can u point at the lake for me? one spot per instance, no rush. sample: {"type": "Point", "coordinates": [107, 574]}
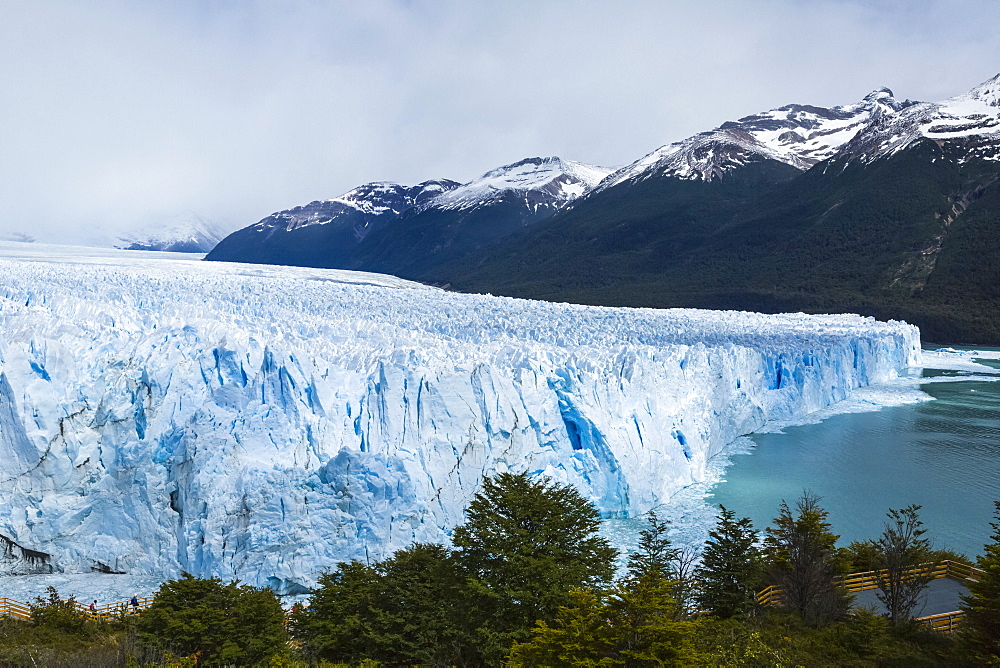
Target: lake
{"type": "Point", "coordinates": [943, 455]}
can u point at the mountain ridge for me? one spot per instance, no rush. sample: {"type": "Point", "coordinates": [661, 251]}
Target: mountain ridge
{"type": "Point", "coordinates": [869, 207]}
{"type": "Point", "coordinates": [430, 216]}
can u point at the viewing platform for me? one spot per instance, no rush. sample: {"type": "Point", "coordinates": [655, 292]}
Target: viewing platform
{"type": "Point", "coordinates": [940, 602]}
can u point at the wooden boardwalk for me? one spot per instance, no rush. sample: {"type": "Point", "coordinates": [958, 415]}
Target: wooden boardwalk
{"type": "Point", "coordinates": [110, 611]}
{"type": "Point", "coordinates": [943, 598]}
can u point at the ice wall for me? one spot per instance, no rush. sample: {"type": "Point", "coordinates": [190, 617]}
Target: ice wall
{"type": "Point", "coordinates": [264, 423]}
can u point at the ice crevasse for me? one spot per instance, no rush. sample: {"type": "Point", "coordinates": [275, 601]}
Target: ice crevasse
{"type": "Point", "coordinates": [159, 416]}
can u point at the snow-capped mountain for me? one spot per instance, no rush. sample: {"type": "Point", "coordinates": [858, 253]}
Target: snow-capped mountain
{"type": "Point", "coordinates": [898, 218]}
{"type": "Point", "coordinates": [394, 228]}
{"type": "Point", "coordinates": [327, 232]}
{"type": "Point", "coordinates": [362, 208]}
{"type": "Point", "coordinates": [970, 121]}
{"type": "Point", "coordinates": [542, 182]}
{"type": "Point", "coordinates": [160, 415]}
{"type": "Point", "coordinates": [797, 135]}
{"type": "Point", "coordinates": [714, 219]}
{"type": "Point", "coordinates": [189, 233]}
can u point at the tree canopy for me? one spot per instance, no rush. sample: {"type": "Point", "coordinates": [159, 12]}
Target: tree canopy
{"type": "Point", "coordinates": [528, 542]}
{"type": "Point", "coordinates": [804, 561]}
{"type": "Point", "coordinates": [730, 571]}
{"type": "Point", "coordinates": [228, 624]}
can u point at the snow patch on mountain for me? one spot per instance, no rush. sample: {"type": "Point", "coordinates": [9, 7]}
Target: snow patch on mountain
{"type": "Point", "coordinates": [552, 182]}
{"type": "Point", "coordinates": [971, 119]}
{"type": "Point", "coordinates": [362, 207]}
{"type": "Point", "coordinates": [160, 415]}
{"type": "Point", "coordinates": [797, 135]}
{"type": "Point", "coordinates": [541, 182]}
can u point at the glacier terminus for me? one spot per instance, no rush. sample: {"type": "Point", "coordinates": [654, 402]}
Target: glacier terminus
{"type": "Point", "coordinates": [159, 414]}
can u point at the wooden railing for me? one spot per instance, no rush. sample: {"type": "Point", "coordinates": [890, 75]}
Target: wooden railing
{"type": "Point", "coordinates": [946, 622]}
{"type": "Point", "coordinates": [110, 611]}
{"type": "Point", "coordinates": [769, 596]}
{"type": "Point", "coordinates": [14, 609]}
{"type": "Point", "coordinates": [869, 579]}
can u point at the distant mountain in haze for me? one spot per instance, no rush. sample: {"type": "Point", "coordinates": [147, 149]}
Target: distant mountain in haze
{"type": "Point", "coordinates": [885, 207]}
{"type": "Point", "coordinates": [188, 233]}
{"type": "Point", "coordinates": [17, 236]}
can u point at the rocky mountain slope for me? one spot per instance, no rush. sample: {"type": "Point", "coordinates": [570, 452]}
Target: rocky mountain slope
{"type": "Point", "coordinates": [399, 229]}
{"type": "Point", "coordinates": [325, 233]}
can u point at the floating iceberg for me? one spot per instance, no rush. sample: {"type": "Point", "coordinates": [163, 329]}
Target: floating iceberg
{"type": "Point", "coordinates": [160, 414]}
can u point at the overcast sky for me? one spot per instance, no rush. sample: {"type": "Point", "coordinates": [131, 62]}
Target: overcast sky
{"type": "Point", "coordinates": [124, 113]}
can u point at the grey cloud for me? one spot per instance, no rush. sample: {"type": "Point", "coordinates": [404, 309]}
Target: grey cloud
{"type": "Point", "coordinates": [116, 114]}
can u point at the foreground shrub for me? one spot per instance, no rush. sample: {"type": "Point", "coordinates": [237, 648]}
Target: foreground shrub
{"type": "Point", "coordinates": [227, 624]}
{"type": "Point", "coordinates": [413, 608]}
{"type": "Point", "coordinates": [61, 615]}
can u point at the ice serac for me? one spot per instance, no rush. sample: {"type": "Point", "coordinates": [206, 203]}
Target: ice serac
{"type": "Point", "coordinates": [264, 423]}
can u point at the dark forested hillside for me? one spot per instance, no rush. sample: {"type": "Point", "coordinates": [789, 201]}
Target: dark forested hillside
{"type": "Point", "coordinates": [415, 245]}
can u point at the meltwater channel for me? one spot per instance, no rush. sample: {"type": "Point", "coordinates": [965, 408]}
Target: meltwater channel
{"type": "Point", "coordinates": [943, 455]}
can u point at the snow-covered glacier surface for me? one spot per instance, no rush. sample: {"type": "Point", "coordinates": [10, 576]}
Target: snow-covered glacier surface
{"type": "Point", "coordinates": [160, 414]}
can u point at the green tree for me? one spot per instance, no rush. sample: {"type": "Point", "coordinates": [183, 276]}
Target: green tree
{"type": "Point", "coordinates": [580, 634]}
{"type": "Point", "coordinates": [861, 556]}
{"type": "Point", "coordinates": [644, 615]}
{"type": "Point", "coordinates": [655, 555]}
{"type": "Point", "coordinates": [424, 609]}
{"type": "Point", "coordinates": [804, 562]}
{"type": "Point", "coordinates": [527, 543]}
{"type": "Point", "coordinates": [335, 625]}
{"type": "Point", "coordinates": [642, 607]}
{"type": "Point", "coordinates": [658, 558]}
{"type": "Point", "coordinates": [219, 623]}
{"type": "Point", "coordinates": [730, 569]}
{"type": "Point", "coordinates": [410, 609]}
{"type": "Point", "coordinates": [981, 627]}
{"type": "Point", "coordinates": [632, 626]}
{"type": "Point", "coordinates": [901, 549]}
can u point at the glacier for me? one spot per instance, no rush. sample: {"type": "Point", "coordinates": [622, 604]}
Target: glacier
{"type": "Point", "coordinates": [159, 414]}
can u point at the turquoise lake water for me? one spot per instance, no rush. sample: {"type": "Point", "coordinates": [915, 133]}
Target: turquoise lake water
{"type": "Point", "coordinates": [943, 455]}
